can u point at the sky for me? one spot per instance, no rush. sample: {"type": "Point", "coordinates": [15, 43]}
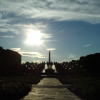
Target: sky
{"type": "Point", "coordinates": [68, 29]}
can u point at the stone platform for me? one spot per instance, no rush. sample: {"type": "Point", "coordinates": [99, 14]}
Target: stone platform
{"type": "Point", "coordinates": [50, 89]}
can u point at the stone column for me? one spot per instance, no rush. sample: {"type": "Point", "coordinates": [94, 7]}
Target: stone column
{"type": "Point", "coordinates": [49, 56]}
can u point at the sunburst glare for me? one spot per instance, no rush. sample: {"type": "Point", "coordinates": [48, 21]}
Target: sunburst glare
{"type": "Point", "coordinates": [34, 38]}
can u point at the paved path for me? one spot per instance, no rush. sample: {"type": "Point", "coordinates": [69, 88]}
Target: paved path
{"type": "Point", "coordinates": [50, 89]}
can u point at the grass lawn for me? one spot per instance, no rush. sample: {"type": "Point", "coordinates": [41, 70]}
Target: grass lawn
{"type": "Point", "coordinates": [19, 86]}
{"type": "Point", "coordinates": [16, 86]}
{"type": "Point", "coordinates": [84, 87]}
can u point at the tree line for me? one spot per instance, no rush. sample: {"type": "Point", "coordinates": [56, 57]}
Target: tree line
{"type": "Point", "coordinates": [89, 64]}
{"type": "Point", "coordinates": [10, 64]}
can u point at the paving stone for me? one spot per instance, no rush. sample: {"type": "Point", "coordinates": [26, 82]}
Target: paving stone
{"type": "Point", "coordinates": [50, 89]}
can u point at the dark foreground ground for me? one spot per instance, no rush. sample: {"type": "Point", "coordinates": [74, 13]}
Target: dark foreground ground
{"type": "Point", "coordinates": [18, 86]}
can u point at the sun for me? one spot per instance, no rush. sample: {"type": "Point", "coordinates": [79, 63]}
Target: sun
{"type": "Point", "coordinates": [34, 37]}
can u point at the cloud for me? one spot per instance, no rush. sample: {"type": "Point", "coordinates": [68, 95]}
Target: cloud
{"type": "Point", "coordinates": [66, 60]}
{"type": "Point", "coordinates": [15, 49]}
{"type": "Point", "coordinates": [47, 35]}
{"type": "Point", "coordinates": [32, 54]}
{"type": "Point", "coordinates": [71, 56]}
{"type": "Point", "coordinates": [76, 59]}
{"type": "Point", "coordinates": [38, 56]}
{"type": "Point", "coordinates": [59, 10]}
{"type": "Point", "coordinates": [62, 30]}
{"type": "Point", "coordinates": [25, 29]}
{"type": "Point", "coordinates": [51, 49]}
{"type": "Point", "coordinates": [7, 36]}
{"type": "Point", "coordinates": [28, 54]}
{"type": "Point", "coordinates": [87, 45]}
{"type": "Point", "coordinates": [20, 28]}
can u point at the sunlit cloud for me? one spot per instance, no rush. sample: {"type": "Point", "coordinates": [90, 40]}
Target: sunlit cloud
{"type": "Point", "coordinates": [59, 10]}
{"type": "Point", "coordinates": [32, 54]}
{"type": "Point", "coordinates": [28, 52]}
{"type": "Point", "coordinates": [71, 56]}
{"type": "Point", "coordinates": [15, 49]}
{"type": "Point", "coordinates": [38, 56]}
{"type": "Point", "coordinates": [47, 35]}
{"type": "Point", "coordinates": [22, 28]}
{"type": "Point", "coordinates": [66, 60]}
{"type": "Point", "coordinates": [7, 36]}
{"type": "Point", "coordinates": [76, 59]}
{"type": "Point", "coordinates": [87, 45]}
{"type": "Point", "coordinates": [51, 49]}
{"type": "Point", "coordinates": [25, 29]}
